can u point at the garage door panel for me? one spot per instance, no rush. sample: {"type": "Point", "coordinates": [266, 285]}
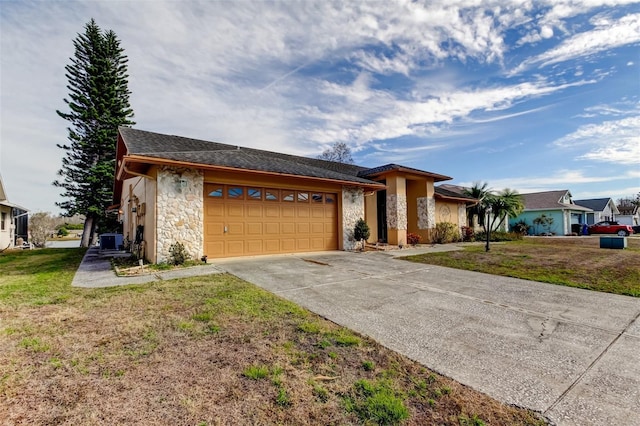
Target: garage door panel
{"type": "Point", "coordinates": [215, 210]}
{"type": "Point", "coordinates": [235, 248]}
{"type": "Point", "coordinates": [272, 211]}
{"type": "Point", "coordinates": [235, 210]}
{"type": "Point", "coordinates": [288, 211]}
{"type": "Point", "coordinates": [254, 210]}
{"type": "Point", "coordinates": [272, 246]}
{"type": "Point", "coordinates": [317, 243]}
{"type": "Point", "coordinates": [288, 228]}
{"type": "Point", "coordinates": [287, 245]}
{"type": "Point", "coordinates": [235, 229]}
{"type": "Point", "coordinates": [280, 224]}
{"type": "Point", "coordinates": [272, 228]}
{"type": "Point", "coordinates": [303, 244]}
{"type": "Point", "coordinates": [254, 247]}
{"type": "Point", "coordinates": [214, 249]}
{"type": "Point", "coordinates": [254, 229]}
{"type": "Point", "coordinates": [214, 229]}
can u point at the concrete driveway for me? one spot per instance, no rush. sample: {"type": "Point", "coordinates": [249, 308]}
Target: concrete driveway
{"type": "Point", "coordinates": [571, 354]}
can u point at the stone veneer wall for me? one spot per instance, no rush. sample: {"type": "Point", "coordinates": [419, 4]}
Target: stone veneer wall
{"type": "Point", "coordinates": [397, 211]}
{"type": "Point", "coordinates": [462, 215]}
{"type": "Point", "coordinates": [352, 210]}
{"type": "Point", "coordinates": [426, 213]}
{"type": "Point", "coordinates": [180, 211]}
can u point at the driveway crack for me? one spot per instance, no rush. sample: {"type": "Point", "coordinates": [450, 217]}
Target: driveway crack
{"type": "Point", "coordinates": [590, 367]}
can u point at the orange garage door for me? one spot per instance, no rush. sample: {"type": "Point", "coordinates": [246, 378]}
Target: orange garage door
{"type": "Point", "coordinates": [243, 220]}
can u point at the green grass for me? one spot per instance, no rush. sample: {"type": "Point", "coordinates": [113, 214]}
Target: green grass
{"type": "Point", "coordinates": [38, 277]}
{"type": "Point", "coordinates": [570, 262]}
{"type": "Point", "coordinates": [224, 346]}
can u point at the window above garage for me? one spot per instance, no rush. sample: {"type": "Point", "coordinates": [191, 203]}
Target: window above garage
{"type": "Point", "coordinates": [252, 193]}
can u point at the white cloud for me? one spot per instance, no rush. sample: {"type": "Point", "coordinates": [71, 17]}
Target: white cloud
{"type": "Point", "coordinates": [606, 35]}
{"type": "Point", "coordinates": [616, 141]}
{"type": "Point", "coordinates": [288, 77]}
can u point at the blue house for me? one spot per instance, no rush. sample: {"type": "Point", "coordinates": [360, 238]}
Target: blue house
{"type": "Point", "coordinates": [557, 207]}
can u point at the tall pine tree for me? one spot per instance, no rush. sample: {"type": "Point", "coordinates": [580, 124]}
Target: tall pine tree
{"type": "Point", "coordinates": [98, 103]}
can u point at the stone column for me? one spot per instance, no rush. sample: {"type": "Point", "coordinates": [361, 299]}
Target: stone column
{"type": "Point", "coordinates": [180, 211]}
{"type": "Point", "coordinates": [352, 210]}
{"type": "Point", "coordinates": [426, 213]}
{"type": "Point", "coordinates": [396, 210]}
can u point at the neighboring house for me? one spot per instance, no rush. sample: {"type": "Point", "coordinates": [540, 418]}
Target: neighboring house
{"type": "Point", "coordinates": [452, 204]}
{"type": "Point", "coordinates": [223, 200]}
{"type": "Point", "coordinates": [13, 221]}
{"type": "Point", "coordinates": [603, 209]}
{"type": "Point", "coordinates": [557, 205]}
{"type": "Point", "coordinates": [461, 191]}
{"type": "Point", "coordinates": [629, 214]}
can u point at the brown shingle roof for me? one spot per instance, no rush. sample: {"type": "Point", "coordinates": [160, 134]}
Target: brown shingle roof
{"type": "Point", "coordinates": [549, 200]}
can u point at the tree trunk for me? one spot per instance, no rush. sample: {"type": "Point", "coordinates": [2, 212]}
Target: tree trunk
{"type": "Point", "coordinates": [94, 233]}
{"type": "Point", "coordinates": [87, 231]}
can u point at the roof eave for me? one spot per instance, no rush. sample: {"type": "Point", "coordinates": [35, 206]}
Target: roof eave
{"type": "Point", "coordinates": [436, 177]}
{"type": "Point", "coordinates": [124, 174]}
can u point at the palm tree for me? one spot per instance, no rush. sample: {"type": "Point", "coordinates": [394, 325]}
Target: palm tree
{"type": "Point", "coordinates": [481, 192]}
{"type": "Point", "coordinates": [507, 203]}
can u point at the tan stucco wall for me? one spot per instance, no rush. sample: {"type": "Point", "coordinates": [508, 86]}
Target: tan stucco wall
{"type": "Point", "coordinates": [371, 214]}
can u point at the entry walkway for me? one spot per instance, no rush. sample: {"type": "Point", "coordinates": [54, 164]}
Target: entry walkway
{"type": "Point", "coordinates": [571, 354]}
{"type": "Point", "coordinates": [95, 271]}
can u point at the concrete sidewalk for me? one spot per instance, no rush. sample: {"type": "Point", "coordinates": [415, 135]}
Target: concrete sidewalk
{"type": "Point", "coordinates": [95, 271]}
{"type": "Point", "coordinates": [568, 353]}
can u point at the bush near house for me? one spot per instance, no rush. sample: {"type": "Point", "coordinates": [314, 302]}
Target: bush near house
{"type": "Point", "coordinates": [445, 233]}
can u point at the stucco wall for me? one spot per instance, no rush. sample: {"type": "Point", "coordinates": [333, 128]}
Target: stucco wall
{"type": "Point", "coordinates": [180, 212]}
{"type": "Point", "coordinates": [558, 221]}
{"type": "Point", "coordinates": [6, 235]}
{"type": "Point", "coordinates": [352, 210]}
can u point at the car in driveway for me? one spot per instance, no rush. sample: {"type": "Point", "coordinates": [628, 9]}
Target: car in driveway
{"type": "Point", "coordinates": [610, 227]}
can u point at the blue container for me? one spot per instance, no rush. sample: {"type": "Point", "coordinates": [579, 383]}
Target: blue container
{"type": "Point", "coordinates": [613, 242]}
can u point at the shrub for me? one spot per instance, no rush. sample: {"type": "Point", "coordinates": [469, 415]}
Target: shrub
{"type": "Point", "coordinates": [361, 230]}
{"type": "Point", "coordinates": [468, 234]}
{"type": "Point", "coordinates": [445, 232]}
{"type": "Point", "coordinates": [413, 239]}
{"type": "Point", "coordinates": [521, 228]}
{"type": "Point", "coordinates": [178, 254]}
{"type": "Point", "coordinates": [62, 232]}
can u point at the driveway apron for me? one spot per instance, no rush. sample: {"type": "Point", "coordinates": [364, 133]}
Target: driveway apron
{"type": "Point", "coordinates": [571, 354]}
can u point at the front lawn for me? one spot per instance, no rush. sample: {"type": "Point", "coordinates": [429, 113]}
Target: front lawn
{"type": "Point", "coordinates": [201, 351]}
{"type": "Point", "coordinates": [575, 262]}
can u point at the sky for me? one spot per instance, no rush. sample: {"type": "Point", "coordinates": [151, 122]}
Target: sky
{"type": "Point", "coordinates": [528, 95]}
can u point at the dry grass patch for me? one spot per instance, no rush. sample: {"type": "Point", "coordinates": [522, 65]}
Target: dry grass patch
{"type": "Point", "coordinates": [575, 262]}
{"type": "Point", "coordinates": [213, 350]}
